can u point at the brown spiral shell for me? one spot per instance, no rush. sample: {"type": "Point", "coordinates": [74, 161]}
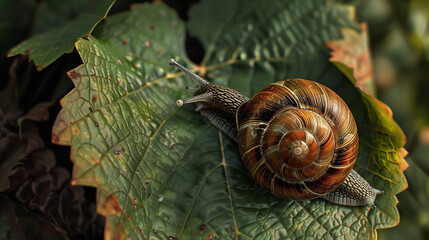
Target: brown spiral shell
{"type": "Point", "coordinates": [297, 138]}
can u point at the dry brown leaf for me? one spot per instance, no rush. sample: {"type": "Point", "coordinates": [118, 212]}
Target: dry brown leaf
{"type": "Point", "coordinates": [353, 51]}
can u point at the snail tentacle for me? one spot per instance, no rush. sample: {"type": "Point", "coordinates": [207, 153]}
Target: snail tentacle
{"type": "Point", "coordinates": [217, 103]}
{"type": "Point", "coordinates": [197, 79]}
{"type": "Point", "coordinates": [190, 89]}
{"type": "Point", "coordinates": [204, 97]}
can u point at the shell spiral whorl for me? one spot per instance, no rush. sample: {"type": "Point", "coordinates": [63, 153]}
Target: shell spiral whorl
{"type": "Point", "coordinates": [297, 138]}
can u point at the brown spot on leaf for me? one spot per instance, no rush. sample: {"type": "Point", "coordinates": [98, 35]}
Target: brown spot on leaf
{"type": "Point", "coordinates": [210, 236]}
{"type": "Point", "coordinates": [116, 231]}
{"type": "Point", "coordinates": [123, 149]}
{"type": "Point", "coordinates": [61, 131]}
{"type": "Point", "coordinates": [141, 205]}
{"type": "Point", "coordinates": [94, 99]}
{"type": "Point", "coordinates": [111, 206]}
{"type": "Point", "coordinates": [128, 216]}
{"type": "Point", "coordinates": [151, 27]}
{"type": "Point", "coordinates": [125, 41]}
{"type": "Point", "coordinates": [73, 74]}
{"type": "Point", "coordinates": [202, 227]}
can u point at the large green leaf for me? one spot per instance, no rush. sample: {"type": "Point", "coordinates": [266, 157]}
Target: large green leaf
{"type": "Point", "coordinates": [165, 172]}
{"type": "Point", "coordinates": [44, 48]}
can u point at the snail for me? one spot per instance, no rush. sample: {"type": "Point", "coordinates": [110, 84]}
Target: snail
{"type": "Point", "coordinates": [297, 138]}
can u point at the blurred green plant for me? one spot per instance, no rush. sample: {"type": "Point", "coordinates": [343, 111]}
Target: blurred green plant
{"type": "Point", "coordinates": [399, 46]}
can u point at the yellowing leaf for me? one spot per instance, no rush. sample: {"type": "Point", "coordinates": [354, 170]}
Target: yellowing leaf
{"type": "Point", "coordinates": [353, 51]}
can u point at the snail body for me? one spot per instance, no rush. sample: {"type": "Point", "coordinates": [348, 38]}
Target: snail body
{"type": "Point", "coordinates": [297, 138]}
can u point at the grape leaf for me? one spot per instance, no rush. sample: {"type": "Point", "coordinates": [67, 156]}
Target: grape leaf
{"type": "Point", "coordinates": [163, 172]}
